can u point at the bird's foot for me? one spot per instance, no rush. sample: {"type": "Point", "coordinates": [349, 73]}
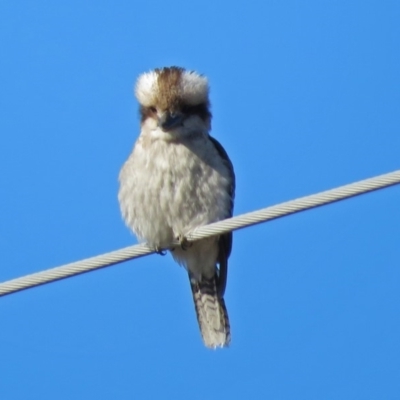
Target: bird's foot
{"type": "Point", "coordinates": [160, 251]}
{"type": "Point", "coordinates": [184, 243]}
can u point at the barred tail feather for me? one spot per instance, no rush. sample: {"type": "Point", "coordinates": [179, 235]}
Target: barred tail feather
{"type": "Point", "coordinates": [212, 314]}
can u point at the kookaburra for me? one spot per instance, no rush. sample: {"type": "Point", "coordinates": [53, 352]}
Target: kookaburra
{"type": "Point", "coordinates": [178, 178]}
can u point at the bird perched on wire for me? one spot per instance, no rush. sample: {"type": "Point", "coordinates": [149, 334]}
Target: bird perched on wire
{"type": "Point", "coordinates": [178, 178]}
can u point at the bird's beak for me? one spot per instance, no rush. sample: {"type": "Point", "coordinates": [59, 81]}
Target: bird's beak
{"type": "Point", "coordinates": [168, 120]}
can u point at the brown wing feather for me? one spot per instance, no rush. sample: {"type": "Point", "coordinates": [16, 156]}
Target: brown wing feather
{"type": "Point", "coordinates": [225, 240]}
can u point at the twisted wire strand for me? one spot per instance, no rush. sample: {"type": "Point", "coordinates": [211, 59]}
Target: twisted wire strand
{"type": "Point", "coordinates": [217, 228]}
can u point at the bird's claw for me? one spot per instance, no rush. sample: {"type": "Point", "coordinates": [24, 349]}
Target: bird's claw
{"type": "Point", "coordinates": [160, 251]}
{"type": "Point", "coordinates": [184, 243]}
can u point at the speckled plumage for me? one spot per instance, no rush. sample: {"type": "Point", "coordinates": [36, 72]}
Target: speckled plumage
{"type": "Point", "coordinates": [178, 178]}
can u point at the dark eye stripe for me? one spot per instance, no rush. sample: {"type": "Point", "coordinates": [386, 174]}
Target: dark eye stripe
{"type": "Point", "coordinates": [200, 109]}
{"type": "Point", "coordinates": [146, 112]}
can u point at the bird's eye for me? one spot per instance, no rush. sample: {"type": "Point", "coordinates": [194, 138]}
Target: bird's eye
{"type": "Point", "coordinates": [153, 109]}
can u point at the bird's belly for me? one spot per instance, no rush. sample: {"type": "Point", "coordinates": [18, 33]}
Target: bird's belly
{"type": "Point", "coordinates": [171, 195]}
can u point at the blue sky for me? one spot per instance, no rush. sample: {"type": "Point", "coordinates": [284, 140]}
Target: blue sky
{"type": "Point", "coordinates": [305, 98]}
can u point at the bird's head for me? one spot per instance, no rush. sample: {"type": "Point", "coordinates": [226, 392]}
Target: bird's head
{"type": "Point", "coordinates": [174, 100]}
